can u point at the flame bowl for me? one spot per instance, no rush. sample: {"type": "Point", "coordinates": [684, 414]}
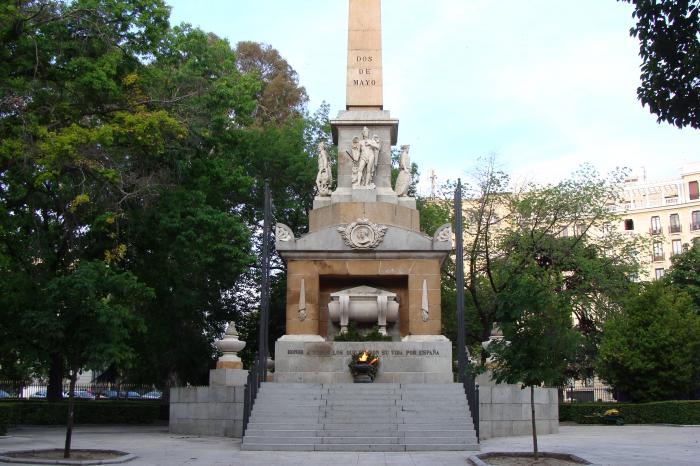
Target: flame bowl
{"type": "Point", "coordinates": [361, 373]}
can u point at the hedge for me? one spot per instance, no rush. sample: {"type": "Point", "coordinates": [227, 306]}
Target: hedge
{"type": "Point", "coordinates": [86, 412]}
{"type": "Point", "coordinates": [5, 413]}
{"type": "Point", "coordinates": [661, 412]}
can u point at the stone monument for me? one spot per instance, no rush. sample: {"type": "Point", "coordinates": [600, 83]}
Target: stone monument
{"type": "Point", "coordinates": [364, 260]}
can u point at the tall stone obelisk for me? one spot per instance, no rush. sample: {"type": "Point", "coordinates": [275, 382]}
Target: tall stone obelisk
{"type": "Point", "coordinates": [364, 78]}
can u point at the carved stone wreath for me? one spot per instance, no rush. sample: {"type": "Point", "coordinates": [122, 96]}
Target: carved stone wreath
{"type": "Point", "coordinates": [444, 233]}
{"type": "Point", "coordinates": [283, 232]}
{"type": "Point", "coordinates": [362, 234]}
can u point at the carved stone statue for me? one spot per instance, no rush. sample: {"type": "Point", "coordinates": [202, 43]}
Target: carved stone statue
{"type": "Point", "coordinates": [354, 154]}
{"type": "Point", "coordinates": [403, 180]}
{"type": "Point", "coordinates": [365, 155]}
{"type": "Point", "coordinates": [324, 178]}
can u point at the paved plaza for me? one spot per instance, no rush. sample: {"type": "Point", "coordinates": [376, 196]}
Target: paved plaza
{"type": "Point", "coordinates": [154, 446]}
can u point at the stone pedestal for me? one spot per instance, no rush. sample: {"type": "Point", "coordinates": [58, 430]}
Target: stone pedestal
{"type": "Point", "coordinates": [216, 410]}
{"type": "Point", "coordinates": [416, 360]}
{"type": "Point", "coordinates": [504, 409]}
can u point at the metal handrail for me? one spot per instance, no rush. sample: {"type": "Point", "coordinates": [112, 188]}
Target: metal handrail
{"type": "Point", "coordinates": [471, 388]}
{"type": "Point", "coordinates": [251, 391]}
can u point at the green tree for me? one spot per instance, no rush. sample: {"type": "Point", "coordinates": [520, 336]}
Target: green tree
{"type": "Point", "coordinates": [89, 317]}
{"type": "Point", "coordinates": [568, 226]}
{"type": "Point", "coordinates": [75, 142]}
{"type": "Point", "coordinates": [649, 349]}
{"type": "Point", "coordinates": [538, 337]}
{"type": "Point", "coordinates": [684, 273]}
{"type": "Point", "coordinates": [280, 95]}
{"type": "Point", "coordinates": [669, 44]}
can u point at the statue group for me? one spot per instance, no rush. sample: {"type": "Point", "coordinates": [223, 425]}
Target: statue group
{"type": "Point", "coordinates": [364, 154]}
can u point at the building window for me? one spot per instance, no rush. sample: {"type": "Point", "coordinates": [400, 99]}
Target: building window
{"type": "Point", "coordinates": [659, 273]}
{"type": "Point", "coordinates": [564, 232]}
{"type": "Point", "coordinates": [675, 223]}
{"type": "Point", "coordinates": [655, 225]}
{"type": "Point", "coordinates": [693, 190]}
{"type": "Point", "coordinates": [695, 220]}
{"type": "Point", "coordinates": [629, 224]}
{"type": "Point", "coordinates": [658, 251]}
{"type": "Point", "coordinates": [676, 247]}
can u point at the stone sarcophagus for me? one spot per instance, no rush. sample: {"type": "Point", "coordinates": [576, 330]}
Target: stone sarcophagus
{"type": "Point", "coordinates": [364, 304]}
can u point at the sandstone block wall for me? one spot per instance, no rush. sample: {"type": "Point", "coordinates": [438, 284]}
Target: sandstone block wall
{"type": "Point", "coordinates": [504, 411]}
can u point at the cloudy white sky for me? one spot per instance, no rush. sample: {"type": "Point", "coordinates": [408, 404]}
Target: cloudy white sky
{"type": "Point", "coordinates": [545, 85]}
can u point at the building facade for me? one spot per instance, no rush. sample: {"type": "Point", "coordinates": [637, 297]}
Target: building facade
{"type": "Point", "coordinates": [668, 211]}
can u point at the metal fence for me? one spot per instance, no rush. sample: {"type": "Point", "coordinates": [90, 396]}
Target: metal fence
{"type": "Point", "coordinates": [17, 390]}
{"type": "Point", "coordinates": [577, 394]}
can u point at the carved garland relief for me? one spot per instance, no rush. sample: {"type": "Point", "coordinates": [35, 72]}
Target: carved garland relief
{"type": "Point", "coordinates": [362, 234]}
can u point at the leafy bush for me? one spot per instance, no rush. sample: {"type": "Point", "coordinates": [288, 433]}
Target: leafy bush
{"type": "Point", "coordinates": [354, 335]}
{"type": "Point", "coordinates": [661, 412]}
{"type": "Point", "coordinates": [86, 412]}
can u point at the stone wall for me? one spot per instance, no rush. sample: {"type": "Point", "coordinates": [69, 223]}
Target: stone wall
{"type": "Point", "coordinates": [504, 411]}
{"type": "Point", "coordinates": [216, 410]}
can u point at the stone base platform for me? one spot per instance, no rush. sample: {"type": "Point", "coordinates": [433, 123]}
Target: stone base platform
{"type": "Point", "coordinates": [215, 410]}
{"type": "Point", "coordinates": [310, 359]}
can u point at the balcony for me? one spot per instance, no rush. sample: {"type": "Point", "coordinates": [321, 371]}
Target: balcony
{"type": "Point", "coordinates": [658, 257]}
{"type": "Point", "coordinates": [694, 226]}
{"type": "Point", "coordinates": [655, 230]}
{"type": "Point", "coordinates": [675, 228]}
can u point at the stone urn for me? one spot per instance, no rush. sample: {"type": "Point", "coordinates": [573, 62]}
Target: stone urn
{"type": "Point", "coordinates": [230, 345]}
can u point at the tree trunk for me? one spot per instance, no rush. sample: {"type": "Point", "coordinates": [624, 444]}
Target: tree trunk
{"type": "Point", "coordinates": [534, 424]}
{"type": "Point", "coordinates": [71, 409]}
{"type": "Point", "coordinates": [54, 392]}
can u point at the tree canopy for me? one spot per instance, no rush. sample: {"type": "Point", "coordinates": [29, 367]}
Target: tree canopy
{"type": "Point", "coordinates": [669, 45]}
{"type": "Point", "coordinates": [649, 349]}
{"type": "Point", "coordinates": [142, 147]}
{"type": "Point", "coordinates": [685, 273]}
{"type": "Point", "coordinates": [566, 229]}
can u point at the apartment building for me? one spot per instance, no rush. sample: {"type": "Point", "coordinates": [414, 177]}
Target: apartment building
{"type": "Point", "coordinates": [667, 210]}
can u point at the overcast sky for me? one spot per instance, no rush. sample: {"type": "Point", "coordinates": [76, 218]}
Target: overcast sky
{"type": "Point", "coordinates": [545, 84]}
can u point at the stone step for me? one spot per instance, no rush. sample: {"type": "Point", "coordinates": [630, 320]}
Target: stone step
{"type": "Point", "coordinates": [277, 447]}
{"type": "Point", "coordinates": [358, 447]}
{"type": "Point", "coordinates": [446, 433]}
{"type": "Point", "coordinates": [474, 446]}
{"type": "Point", "coordinates": [389, 447]}
{"type": "Point", "coordinates": [353, 417]}
{"type": "Point", "coordinates": [275, 438]}
{"type": "Point", "coordinates": [413, 427]}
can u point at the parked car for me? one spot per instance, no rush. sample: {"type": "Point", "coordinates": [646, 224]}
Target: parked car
{"type": "Point", "coordinates": [40, 395]}
{"type": "Point", "coordinates": [155, 395]}
{"type": "Point", "coordinates": [83, 395]}
{"type": "Point", "coordinates": [4, 394]}
{"type": "Point", "coordinates": [129, 395]}
{"type": "Point", "coordinates": [108, 395]}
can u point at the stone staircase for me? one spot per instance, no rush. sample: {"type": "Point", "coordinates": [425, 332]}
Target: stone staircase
{"type": "Point", "coordinates": [360, 417]}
